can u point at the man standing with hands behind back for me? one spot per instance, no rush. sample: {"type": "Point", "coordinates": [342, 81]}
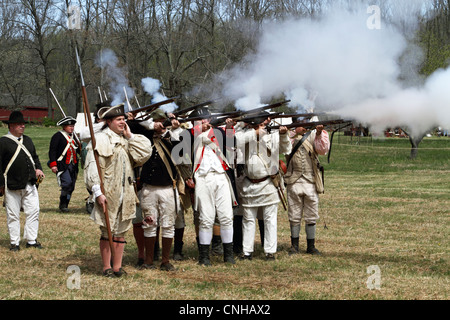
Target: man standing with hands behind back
{"type": "Point", "coordinates": [20, 171]}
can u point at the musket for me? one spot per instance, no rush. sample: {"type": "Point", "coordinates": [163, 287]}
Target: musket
{"type": "Point", "coordinates": [294, 115]}
{"type": "Point", "coordinates": [240, 113]}
{"type": "Point", "coordinates": [184, 111]}
{"type": "Point", "coordinates": [235, 114]}
{"type": "Point", "coordinates": [308, 125]}
{"type": "Point", "coordinates": [130, 108]}
{"type": "Point", "coordinates": [152, 107]}
{"type": "Point", "coordinates": [64, 115]}
{"type": "Point", "coordinates": [272, 116]}
{"type": "Point", "coordinates": [100, 95]}
{"type": "Point", "coordinates": [93, 142]}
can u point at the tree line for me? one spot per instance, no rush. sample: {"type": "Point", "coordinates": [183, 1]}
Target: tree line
{"type": "Point", "coordinates": [182, 43]}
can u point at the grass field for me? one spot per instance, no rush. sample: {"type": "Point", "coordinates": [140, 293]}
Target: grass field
{"type": "Point", "coordinates": [381, 209]}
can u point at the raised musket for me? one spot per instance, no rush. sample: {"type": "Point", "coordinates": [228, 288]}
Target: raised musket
{"type": "Point", "coordinates": [152, 107]}
{"type": "Point", "coordinates": [220, 118]}
{"type": "Point", "coordinates": [77, 139]}
{"type": "Point", "coordinates": [181, 112]}
{"type": "Point", "coordinates": [308, 125]}
{"type": "Point", "coordinates": [93, 142]}
{"type": "Point", "coordinates": [240, 113]}
{"type": "Point", "coordinates": [272, 116]}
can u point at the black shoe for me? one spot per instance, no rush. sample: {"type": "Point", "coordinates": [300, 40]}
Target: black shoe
{"type": "Point", "coordinates": [119, 273]}
{"type": "Point", "coordinates": [139, 263]}
{"type": "Point", "coordinates": [35, 245]}
{"type": "Point", "coordinates": [270, 257]}
{"type": "Point", "coordinates": [167, 267]}
{"type": "Point", "coordinates": [14, 248]}
{"type": "Point", "coordinates": [89, 207]}
{"type": "Point", "coordinates": [109, 273]}
{"type": "Point", "coordinates": [178, 251]}
{"type": "Point", "coordinates": [246, 257]}
{"type": "Point", "coordinates": [147, 267]}
{"type": "Point", "coordinates": [178, 256]}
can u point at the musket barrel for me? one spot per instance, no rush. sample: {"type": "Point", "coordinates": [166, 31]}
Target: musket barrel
{"type": "Point", "coordinates": [93, 142]}
{"type": "Point", "coordinates": [153, 106]}
{"type": "Point", "coordinates": [309, 124]}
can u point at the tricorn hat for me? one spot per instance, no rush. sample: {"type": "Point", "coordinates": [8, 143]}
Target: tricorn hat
{"type": "Point", "coordinates": [257, 118]}
{"type": "Point", "coordinates": [16, 117]}
{"type": "Point", "coordinates": [111, 112]}
{"type": "Point", "coordinates": [66, 121]}
{"type": "Point", "coordinates": [199, 112]}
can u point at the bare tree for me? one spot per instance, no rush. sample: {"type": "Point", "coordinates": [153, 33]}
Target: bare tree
{"type": "Point", "coordinates": [36, 20]}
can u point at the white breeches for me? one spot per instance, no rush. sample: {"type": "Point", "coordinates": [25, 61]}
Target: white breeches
{"type": "Point", "coordinates": [214, 197]}
{"type": "Point", "coordinates": [28, 200]}
{"type": "Point", "coordinates": [159, 203]}
{"type": "Point", "coordinates": [270, 228]}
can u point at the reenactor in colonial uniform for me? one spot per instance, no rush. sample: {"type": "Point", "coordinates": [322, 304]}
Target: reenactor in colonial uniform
{"type": "Point", "coordinates": [20, 173]}
{"type": "Point", "coordinates": [304, 184]}
{"type": "Point", "coordinates": [162, 183]}
{"type": "Point", "coordinates": [119, 151]}
{"type": "Point", "coordinates": [63, 156]}
{"type": "Point", "coordinates": [260, 189]}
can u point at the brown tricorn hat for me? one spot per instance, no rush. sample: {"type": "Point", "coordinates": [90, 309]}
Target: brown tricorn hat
{"type": "Point", "coordinates": [111, 112]}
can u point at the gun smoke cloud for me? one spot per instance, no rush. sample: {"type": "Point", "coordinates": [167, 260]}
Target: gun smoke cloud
{"type": "Point", "coordinates": [336, 63]}
{"type": "Point", "coordinates": [116, 76]}
{"type": "Point", "coordinates": [152, 87]}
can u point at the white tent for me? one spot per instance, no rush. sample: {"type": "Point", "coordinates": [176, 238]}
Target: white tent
{"type": "Point", "coordinates": [81, 122]}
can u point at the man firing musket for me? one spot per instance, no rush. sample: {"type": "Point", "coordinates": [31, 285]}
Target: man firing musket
{"type": "Point", "coordinates": [304, 179]}
{"type": "Point", "coordinates": [220, 118]}
{"type": "Point", "coordinates": [260, 183]}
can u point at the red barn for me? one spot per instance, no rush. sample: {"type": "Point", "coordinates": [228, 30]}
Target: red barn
{"type": "Point", "coordinates": [31, 114]}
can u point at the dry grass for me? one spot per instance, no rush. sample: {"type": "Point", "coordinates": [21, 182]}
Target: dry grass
{"type": "Point", "coordinates": [396, 219]}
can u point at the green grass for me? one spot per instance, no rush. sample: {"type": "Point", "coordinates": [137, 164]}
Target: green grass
{"type": "Point", "coordinates": [380, 207]}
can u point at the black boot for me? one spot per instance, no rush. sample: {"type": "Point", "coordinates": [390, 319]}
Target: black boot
{"type": "Point", "coordinates": [228, 255]}
{"type": "Point", "coordinates": [178, 245]}
{"type": "Point", "coordinates": [177, 251]}
{"type": "Point", "coordinates": [294, 246]}
{"type": "Point", "coordinates": [216, 246]}
{"type": "Point", "coordinates": [311, 249]}
{"type": "Point", "coordinates": [237, 235]}
{"type": "Point", "coordinates": [203, 258]}
{"type": "Point", "coordinates": [63, 203]}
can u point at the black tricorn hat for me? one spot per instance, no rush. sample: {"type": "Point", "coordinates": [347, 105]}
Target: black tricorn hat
{"type": "Point", "coordinates": [257, 118]}
{"type": "Point", "coordinates": [66, 121]}
{"type": "Point", "coordinates": [200, 112]}
{"type": "Point", "coordinates": [16, 117]}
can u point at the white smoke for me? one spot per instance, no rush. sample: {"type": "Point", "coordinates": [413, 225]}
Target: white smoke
{"type": "Point", "coordinates": [115, 76]}
{"type": "Point", "coordinates": [152, 87]}
{"type": "Point", "coordinates": [337, 63]}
